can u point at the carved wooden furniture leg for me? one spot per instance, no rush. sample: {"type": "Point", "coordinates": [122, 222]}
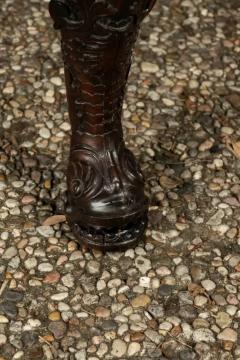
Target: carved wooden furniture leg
{"type": "Point", "coordinates": [107, 208]}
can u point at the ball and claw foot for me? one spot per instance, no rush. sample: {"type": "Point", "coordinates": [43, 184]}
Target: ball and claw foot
{"type": "Point", "coordinates": [110, 239]}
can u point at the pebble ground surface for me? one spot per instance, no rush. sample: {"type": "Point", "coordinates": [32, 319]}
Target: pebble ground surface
{"type": "Point", "coordinates": [177, 295]}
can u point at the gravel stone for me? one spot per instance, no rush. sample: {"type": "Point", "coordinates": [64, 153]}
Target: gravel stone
{"type": "Point", "coordinates": [102, 312]}
{"type": "Point", "coordinates": [93, 267]}
{"type": "Point", "coordinates": [109, 325]}
{"type": "Point", "coordinates": [30, 263]}
{"type": "Point", "coordinates": [119, 348]}
{"type": "Point", "coordinates": [165, 290]}
{"type": "Point", "coordinates": [228, 334]}
{"type": "Point", "coordinates": [153, 336]}
{"type": "Point", "coordinates": [29, 338]}
{"type": "Point", "coordinates": [169, 349]}
{"type": "Point", "coordinates": [156, 310]}
{"type": "Point", "coordinates": [181, 270]}
{"type": "Point", "coordinates": [60, 296]}
{"type": "Point", "coordinates": [54, 316]}
{"type": "Point", "coordinates": [223, 320]}
{"type": "Point", "coordinates": [216, 219]}
{"type": "Point", "coordinates": [208, 285]}
{"type": "Point", "coordinates": [81, 355]}
{"type": "Point", "coordinates": [219, 299]}
{"type": "Point", "coordinates": [133, 348]}
{"type": "Point", "coordinates": [3, 319]}
{"type": "Point", "coordinates": [46, 231]}
{"type": "Point", "coordinates": [143, 264]}
{"type": "Point", "coordinates": [3, 339]}
{"type": "Point", "coordinates": [144, 282]}
{"type": "Point", "coordinates": [11, 203]}
{"type": "Point", "coordinates": [9, 309]}
{"type": "Point", "coordinates": [101, 285]}
{"type": "Point", "coordinates": [149, 67]}
{"type": "Point", "coordinates": [200, 301]}
{"type": "Point", "coordinates": [188, 313]}
{"type": "Point", "coordinates": [68, 280]}
{"type": "Point", "coordinates": [45, 267]}
{"type": "Point", "coordinates": [197, 273]}
{"type": "Point", "coordinates": [9, 253]}
{"type": "Point", "coordinates": [204, 335]}
{"type": "Point", "coordinates": [140, 301]}
{"type": "Point", "coordinates": [58, 328]}
{"type": "Point", "coordinates": [114, 283]}
{"type": "Point", "coordinates": [44, 132]}
{"type": "Point", "coordinates": [13, 296]}
{"type": "Point", "coordinates": [56, 80]}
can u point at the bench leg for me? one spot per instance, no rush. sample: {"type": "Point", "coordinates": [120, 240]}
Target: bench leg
{"type": "Point", "coordinates": [107, 208]}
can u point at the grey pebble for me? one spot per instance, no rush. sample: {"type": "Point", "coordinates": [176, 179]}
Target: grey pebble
{"type": "Point", "coordinates": [13, 296]}
{"type": "Point", "coordinates": [58, 328]}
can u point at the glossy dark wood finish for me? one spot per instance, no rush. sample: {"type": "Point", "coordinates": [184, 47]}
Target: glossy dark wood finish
{"type": "Point", "coordinates": [107, 208]}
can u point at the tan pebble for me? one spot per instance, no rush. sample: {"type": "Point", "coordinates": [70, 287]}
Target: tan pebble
{"type": "Point", "coordinates": [140, 301]}
{"type": "Point", "coordinates": [169, 183]}
{"type": "Point", "coordinates": [121, 298]}
{"type": "Point", "coordinates": [168, 102]}
{"type": "Point", "coordinates": [47, 338]}
{"type": "Point", "coordinates": [29, 114]}
{"type": "Point", "coordinates": [214, 186]}
{"type": "Point", "coordinates": [47, 184]}
{"type": "Point", "coordinates": [56, 139]}
{"type": "Point", "coordinates": [28, 199]}
{"type": "Point", "coordinates": [53, 220]}
{"type": "Point", "coordinates": [22, 243]}
{"type": "Point", "coordinates": [206, 145]}
{"type": "Point", "coordinates": [62, 259]}
{"type": "Point", "coordinates": [204, 108]}
{"type": "Point", "coordinates": [49, 99]}
{"type": "Point", "coordinates": [223, 319]}
{"type": "Point", "coordinates": [54, 316]}
{"type": "Point", "coordinates": [228, 345]}
{"type": "Point", "coordinates": [3, 319]}
{"type": "Point", "coordinates": [135, 119]}
{"type": "Point", "coordinates": [176, 330]}
{"type": "Point", "coordinates": [178, 90]}
{"type": "Point", "coordinates": [137, 336]}
{"type": "Point", "coordinates": [89, 322]}
{"type": "Point", "coordinates": [228, 334]}
{"type": "Point", "coordinates": [29, 225]}
{"type": "Point", "coordinates": [8, 275]}
{"type": "Point", "coordinates": [149, 67]}
{"type": "Point", "coordinates": [51, 278]}
{"type": "Point", "coordinates": [13, 284]}
{"type": "Point", "coordinates": [145, 124]}
{"type": "Point", "coordinates": [102, 312]}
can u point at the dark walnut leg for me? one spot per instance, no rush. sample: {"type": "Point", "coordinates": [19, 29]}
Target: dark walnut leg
{"type": "Point", "coordinates": [107, 208]}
